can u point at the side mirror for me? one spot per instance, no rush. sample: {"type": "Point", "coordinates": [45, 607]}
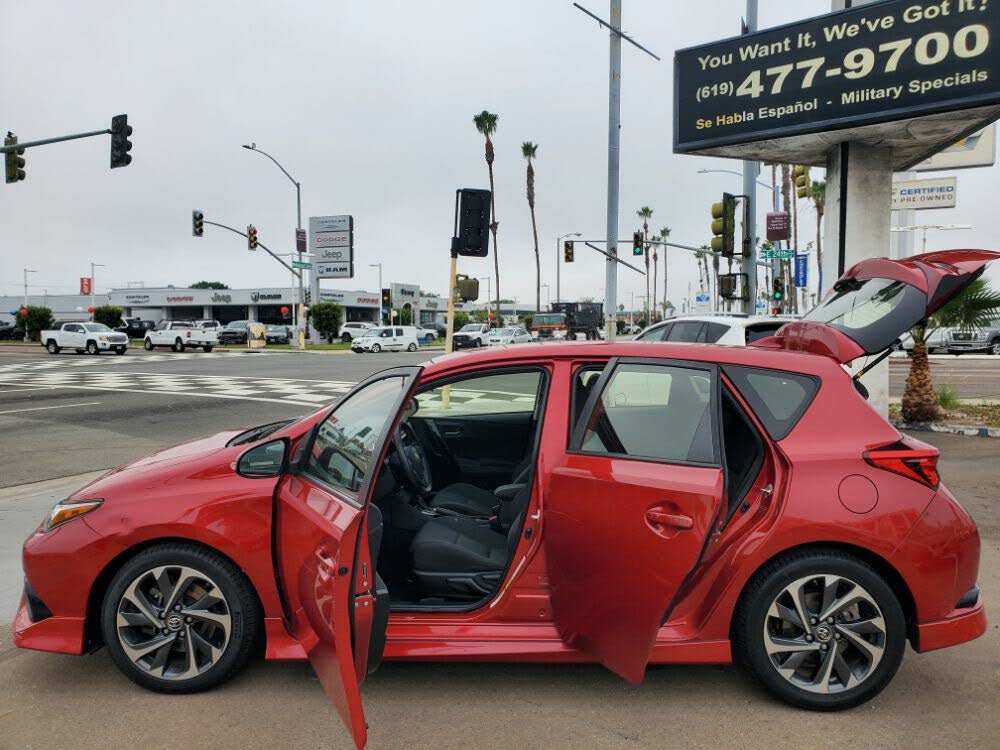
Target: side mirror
{"type": "Point", "coordinates": [267, 460]}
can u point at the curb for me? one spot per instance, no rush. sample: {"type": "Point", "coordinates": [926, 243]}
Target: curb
{"type": "Point", "coordinates": [948, 429]}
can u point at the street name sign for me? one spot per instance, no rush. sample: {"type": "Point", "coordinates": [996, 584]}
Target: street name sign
{"type": "Point", "coordinates": [303, 264]}
{"type": "Point", "coordinates": [331, 239]}
{"type": "Point", "coordinates": [939, 192]}
{"type": "Point", "coordinates": [801, 271]}
{"type": "Point", "coordinates": [775, 253]}
{"type": "Point", "coordinates": [874, 63]}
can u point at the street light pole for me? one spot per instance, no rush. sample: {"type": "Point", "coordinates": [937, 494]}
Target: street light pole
{"type": "Point", "coordinates": [559, 239]}
{"type": "Point", "coordinates": [92, 267]}
{"type": "Point", "coordinates": [379, 266]}
{"type": "Point", "coordinates": [489, 294]}
{"type": "Point", "coordinates": [25, 305]}
{"type": "Point", "coordinates": [299, 317]}
{"type": "Point", "coordinates": [548, 300]}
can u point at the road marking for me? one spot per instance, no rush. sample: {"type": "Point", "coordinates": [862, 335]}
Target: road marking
{"type": "Point", "coordinates": [191, 394]}
{"type": "Point", "coordinates": [30, 388]}
{"type": "Point", "coordinates": [40, 408]}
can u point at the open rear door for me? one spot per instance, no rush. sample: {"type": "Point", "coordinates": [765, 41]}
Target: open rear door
{"type": "Point", "coordinates": [629, 508]}
{"type": "Point", "coordinates": [327, 537]}
{"type": "Point", "coordinates": [878, 300]}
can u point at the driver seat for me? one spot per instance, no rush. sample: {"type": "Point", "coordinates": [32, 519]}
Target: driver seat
{"type": "Point", "coordinates": [457, 557]}
{"type": "Point", "coordinates": [470, 500]}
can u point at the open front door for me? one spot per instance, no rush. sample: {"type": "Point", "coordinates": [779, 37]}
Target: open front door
{"type": "Point", "coordinates": [629, 509]}
{"type": "Point", "coordinates": [327, 539]}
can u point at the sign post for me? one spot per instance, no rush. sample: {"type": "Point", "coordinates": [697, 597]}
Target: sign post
{"type": "Point", "coordinates": [331, 241]}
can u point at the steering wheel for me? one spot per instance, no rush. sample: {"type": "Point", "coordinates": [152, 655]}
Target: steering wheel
{"type": "Point", "coordinates": [412, 459]}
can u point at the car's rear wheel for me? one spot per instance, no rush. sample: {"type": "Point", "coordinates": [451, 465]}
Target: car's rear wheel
{"type": "Point", "coordinates": [178, 619]}
{"type": "Point", "coordinates": [412, 347]}
{"type": "Point", "coordinates": [207, 348]}
{"type": "Point", "coordinates": [178, 345]}
{"type": "Point", "coordinates": [147, 345]}
{"type": "Point", "coordinates": [52, 347]}
{"type": "Point", "coordinates": [821, 630]}
{"type": "Point", "coordinates": [346, 338]}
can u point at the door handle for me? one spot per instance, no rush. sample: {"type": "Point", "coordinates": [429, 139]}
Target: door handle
{"type": "Point", "coordinates": [452, 433]}
{"type": "Point", "coordinates": [662, 518]}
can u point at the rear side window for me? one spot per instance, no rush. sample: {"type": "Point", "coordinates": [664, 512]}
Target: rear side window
{"type": "Point", "coordinates": [714, 332]}
{"type": "Point", "coordinates": [762, 331]}
{"type": "Point", "coordinates": [688, 331]}
{"type": "Point", "coordinates": [654, 334]}
{"type": "Point", "coordinates": [779, 399]}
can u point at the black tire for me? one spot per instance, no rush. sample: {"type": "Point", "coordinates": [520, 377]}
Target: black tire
{"type": "Point", "coordinates": [752, 614]}
{"type": "Point", "coordinates": [995, 347]}
{"type": "Point", "coordinates": [240, 598]}
{"type": "Point", "coordinates": [119, 350]}
{"type": "Point", "coordinates": [412, 347]}
{"type": "Point", "coordinates": [148, 345]}
{"type": "Point", "coordinates": [52, 347]}
{"type": "Point", "coordinates": [346, 338]}
{"type": "Point", "coordinates": [207, 348]}
{"type": "Point", "coordinates": [178, 345]}
{"type": "Point", "coordinates": [376, 348]}
{"type": "Point", "coordinates": [92, 348]}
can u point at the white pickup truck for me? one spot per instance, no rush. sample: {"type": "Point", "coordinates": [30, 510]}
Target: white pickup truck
{"type": "Point", "coordinates": [180, 335]}
{"type": "Point", "coordinates": [92, 338]}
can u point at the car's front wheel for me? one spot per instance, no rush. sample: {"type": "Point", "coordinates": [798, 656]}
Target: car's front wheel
{"type": "Point", "coordinates": [820, 629]}
{"type": "Point", "coordinates": [147, 345]}
{"type": "Point", "coordinates": [92, 348]}
{"type": "Point", "coordinates": [995, 347]}
{"type": "Point", "coordinates": [376, 348]}
{"type": "Point", "coordinates": [178, 618]}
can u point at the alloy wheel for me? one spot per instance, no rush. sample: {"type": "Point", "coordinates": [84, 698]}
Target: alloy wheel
{"type": "Point", "coordinates": [173, 622]}
{"type": "Point", "coordinates": [995, 348]}
{"type": "Point", "coordinates": [824, 634]}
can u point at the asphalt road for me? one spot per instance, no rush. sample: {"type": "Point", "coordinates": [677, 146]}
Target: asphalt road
{"type": "Point", "coordinates": [67, 415]}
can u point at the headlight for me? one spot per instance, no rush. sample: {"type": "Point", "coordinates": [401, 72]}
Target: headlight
{"type": "Point", "coordinates": [67, 510]}
{"type": "Point", "coordinates": [102, 338]}
{"type": "Point", "coordinates": [559, 334]}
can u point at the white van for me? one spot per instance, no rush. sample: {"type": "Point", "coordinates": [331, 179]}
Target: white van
{"type": "Point", "coordinates": [386, 338]}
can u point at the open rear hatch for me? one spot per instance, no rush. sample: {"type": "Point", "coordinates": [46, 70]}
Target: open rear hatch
{"type": "Point", "coordinates": [878, 300]}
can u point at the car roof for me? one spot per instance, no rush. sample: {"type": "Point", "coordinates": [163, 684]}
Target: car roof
{"type": "Point", "coordinates": [750, 356]}
{"type": "Point", "coordinates": [733, 319]}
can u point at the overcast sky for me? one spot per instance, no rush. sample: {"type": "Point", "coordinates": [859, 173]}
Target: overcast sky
{"type": "Point", "coordinates": [369, 104]}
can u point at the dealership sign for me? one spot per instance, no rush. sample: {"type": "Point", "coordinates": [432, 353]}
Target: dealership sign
{"type": "Point", "coordinates": [936, 193]}
{"type": "Point", "coordinates": [777, 226]}
{"type": "Point", "coordinates": [870, 64]}
{"type": "Point", "coordinates": [332, 241]}
{"type": "Point", "coordinates": [976, 150]}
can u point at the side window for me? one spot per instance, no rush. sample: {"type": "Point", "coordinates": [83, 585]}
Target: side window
{"type": "Point", "coordinates": [689, 331]}
{"type": "Point", "coordinates": [386, 333]}
{"type": "Point", "coordinates": [659, 412]}
{"type": "Point", "coordinates": [74, 329]}
{"type": "Point", "coordinates": [342, 452]}
{"type": "Point", "coordinates": [399, 331]}
{"type": "Point", "coordinates": [503, 393]}
{"type": "Point", "coordinates": [714, 332]}
{"type": "Point", "coordinates": [657, 334]}
{"type": "Point", "coordinates": [778, 398]}
{"type": "Point", "coordinates": [762, 331]}
{"type": "Point", "coordinates": [161, 326]}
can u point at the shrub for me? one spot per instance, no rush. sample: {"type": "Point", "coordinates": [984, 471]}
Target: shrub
{"type": "Point", "coordinates": [947, 398]}
{"type": "Point", "coordinates": [37, 319]}
{"type": "Point", "coordinates": [461, 319]}
{"type": "Point", "coordinates": [326, 318]}
{"type": "Point", "coordinates": [110, 315]}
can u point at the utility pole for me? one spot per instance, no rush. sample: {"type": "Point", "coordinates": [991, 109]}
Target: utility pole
{"type": "Point", "coordinates": [379, 266]}
{"type": "Point", "coordinates": [750, 171]}
{"type": "Point", "coordinates": [92, 267]}
{"type": "Point", "coordinates": [25, 304]}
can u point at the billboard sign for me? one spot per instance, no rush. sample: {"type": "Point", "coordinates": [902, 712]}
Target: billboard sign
{"type": "Point", "coordinates": [86, 285]}
{"type": "Point", "coordinates": [869, 64]}
{"type": "Point", "coordinates": [976, 150]}
{"type": "Point", "coordinates": [331, 239]}
{"type": "Point", "coordinates": [939, 192]}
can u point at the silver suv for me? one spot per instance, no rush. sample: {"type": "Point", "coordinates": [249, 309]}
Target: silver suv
{"type": "Point", "coordinates": [985, 339]}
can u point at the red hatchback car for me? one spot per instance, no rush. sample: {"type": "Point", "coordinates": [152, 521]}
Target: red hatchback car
{"type": "Point", "coordinates": [623, 503]}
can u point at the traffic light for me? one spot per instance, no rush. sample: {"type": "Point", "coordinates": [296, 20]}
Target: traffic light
{"type": "Point", "coordinates": [468, 288]}
{"type": "Point", "coordinates": [386, 299]}
{"type": "Point", "coordinates": [803, 185]}
{"type": "Point", "coordinates": [636, 243]}
{"type": "Point", "coordinates": [724, 224]}
{"type": "Point", "coordinates": [309, 297]}
{"type": "Point", "coordinates": [251, 237]}
{"type": "Point", "coordinates": [568, 251]}
{"type": "Point", "coordinates": [778, 289]}
{"type": "Point", "coordinates": [473, 224]}
{"type": "Point", "coordinates": [120, 144]}
{"type": "Point", "coordinates": [13, 160]}
{"type": "Point", "coordinates": [197, 223]}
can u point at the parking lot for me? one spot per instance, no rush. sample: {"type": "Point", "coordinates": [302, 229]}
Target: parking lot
{"type": "Point", "coordinates": [66, 416]}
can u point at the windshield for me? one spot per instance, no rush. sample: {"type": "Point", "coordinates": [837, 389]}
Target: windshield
{"type": "Point", "coordinates": [873, 312]}
{"type": "Point", "coordinates": [97, 327]}
{"type": "Point", "coordinates": [237, 325]}
{"type": "Point", "coordinates": [473, 327]}
{"type": "Point", "coordinates": [506, 332]}
{"type": "Point", "coordinates": [549, 319]}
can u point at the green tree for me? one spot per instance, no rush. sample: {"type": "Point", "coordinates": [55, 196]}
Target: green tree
{"type": "Point", "coordinates": [461, 319]}
{"type": "Point", "coordinates": [529, 151]}
{"type": "Point", "coordinates": [970, 310]}
{"type": "Point", "coordinates": [403, 316]}
{"type": "Point", "coordinates": [37, 319]}
{"type": "Point", "coordinates": [326, 318]}
{"type": "Point", "coordinates": [481, 316]}
{"type": "Point", "coordinates": [818, 194]}
{"type": "Point", "coordinates": [110, 315]}
{"type": "Point", "coordinates": [656, 258]}
{"type": "Point", "coordinates": [646, 213]}
{"type": "Point", "coordinates": [664, 234]}
{"type": "Point", "coordinates": [486, 124]}
{"type": "Point", "coordinates": [208, 285]}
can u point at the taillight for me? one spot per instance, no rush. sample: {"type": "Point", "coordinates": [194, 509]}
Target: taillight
{"type": "Point", "coordinates": [909, 458]}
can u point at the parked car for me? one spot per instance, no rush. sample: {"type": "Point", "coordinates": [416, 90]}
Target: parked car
{"type": "Point", "coordinates": [235, 332]}
{"type": "Point", "coordinates": [936, 341]}
{"type": "Point", "coordinates": [9, 331]}
{"type": "Point", "coordinates": [470, 336]}
{"type": "Point", "coordinates": [425, 335]}
{"type": "Point", "coordinates": [509, 335]}
{"type": "Point", "coordinates": [440, 329]}
{"type": "Point", "coordinates": [354, 329]}
{"type": "Point", "coordinates": [92, 338]}
{"type": "Point", "coordinates": [180, 335]}
{"type": "Point", "coordinates": [135, 328]}
{"type": "Point", "coordinates": [701, 504]}
{"type": "Point", "coordinates": [728, 329]}
{"type": "Point", "coordinates": [631, 329]}
{"type": "Point", "coordinates": [276, 335]}
{"type": "Point", "coordinates": [214, 324]}
{"type": "Point", "coordinates": [386, 338]}
{"type": "Point", "coordinates": [986, 339]}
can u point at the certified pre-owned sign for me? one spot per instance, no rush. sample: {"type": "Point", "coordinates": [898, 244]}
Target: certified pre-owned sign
{"type": "Point", "coordinates": [935, 193]}
{"type": "Point", "coordinates": [874, 63]}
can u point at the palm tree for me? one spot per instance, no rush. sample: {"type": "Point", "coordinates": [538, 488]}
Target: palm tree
{"type": "Point", "coordinates": [656, 257]}
{"type": "Point", "coordinates": [529, 151]}
{"type": "Point", "coordinates": [970, 310]}
{"type": "Point", "coordinates": [818, 194]}
{"type": "Point", "coordinates": [486, 123]}
{"type": "Point", "coordinates": [664, 233]}
{"type": "Point", "coordinates": [645, 213]}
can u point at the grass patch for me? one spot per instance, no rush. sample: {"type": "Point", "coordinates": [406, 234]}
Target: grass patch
{"type": "Point", "coordinates": [963, 414]}
{"type": "Point", "coordinates": [947, 398]}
